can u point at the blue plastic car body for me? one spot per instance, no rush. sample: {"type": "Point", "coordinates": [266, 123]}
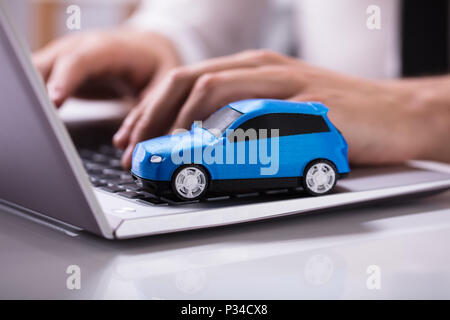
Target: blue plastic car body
{"type": "Point", "coordinates": [247, 145]}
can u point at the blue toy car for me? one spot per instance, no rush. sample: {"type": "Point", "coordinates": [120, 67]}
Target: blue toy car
{"type": "Point", "coordinates": [246, 146]}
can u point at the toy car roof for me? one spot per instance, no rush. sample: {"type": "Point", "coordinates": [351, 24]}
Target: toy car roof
{"type": "Point", "coordinates": [278, 106]}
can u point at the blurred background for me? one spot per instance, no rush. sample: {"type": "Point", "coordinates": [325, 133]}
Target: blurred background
{"type": "Point", "coordinates": [401, 47]}
{"type": "Point", "coordinates": [43, 20]}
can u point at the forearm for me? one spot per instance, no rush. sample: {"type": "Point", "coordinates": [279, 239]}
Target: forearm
{"type": "Point", "coordinates": [430, 106]}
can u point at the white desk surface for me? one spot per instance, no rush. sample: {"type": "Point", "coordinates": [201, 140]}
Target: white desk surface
{"type": "Point", "coordinates": [322, 255]}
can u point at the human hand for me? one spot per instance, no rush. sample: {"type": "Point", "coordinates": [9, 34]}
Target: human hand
{"type": "Point", "coordinates": [380, 120]}
{"type": "Point", "coordinates": [140, 58]}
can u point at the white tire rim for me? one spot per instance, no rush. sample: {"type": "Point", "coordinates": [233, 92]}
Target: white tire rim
{"type": "Point", "coordinates": [320, 178]}
{"type": "Point", "coordinates": [190, 182]}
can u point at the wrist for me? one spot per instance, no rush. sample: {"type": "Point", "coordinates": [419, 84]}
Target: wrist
{"type": "Point", "coordinates": [429, 103]}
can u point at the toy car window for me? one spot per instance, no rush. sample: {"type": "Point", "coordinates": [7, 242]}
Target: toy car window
{"type": "Point", "coordinates": [287, 123]}
{"type": "Point", "coordinates": [219, 121]}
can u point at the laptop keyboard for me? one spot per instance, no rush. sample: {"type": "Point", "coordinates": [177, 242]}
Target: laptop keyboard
{"type": "Point", "coordinates": [105, 173]}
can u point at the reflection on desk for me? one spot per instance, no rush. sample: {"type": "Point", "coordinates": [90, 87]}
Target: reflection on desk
{"type": "Point", "coordinates": [323, 255]}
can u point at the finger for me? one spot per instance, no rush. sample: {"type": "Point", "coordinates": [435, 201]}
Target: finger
{"type": "Point", "coordinates": [44, 58]}
{"type": "Point", "coordinates": [188, 75]}
{"type": "Point", "coordinates": [181, 80]}
{"type": "Point", "coordinates": [154, 106]}
{"type": "Point", "coordinates": [158, 76]}
{"type": "Point", "coordinates": [213, 91]}
{"type": "Point", "coordinates": [68, 72]}
{"type": "Point", "coordinates": [246, 59]}
{"type": "Point", "coordinates": [159, 110]}
{"type": "Point", "coordinates": [145, 127]}
{"type": "Point", "coordinates": [122, 136]}
{"type": "Point", "coordinates": [127, 157]}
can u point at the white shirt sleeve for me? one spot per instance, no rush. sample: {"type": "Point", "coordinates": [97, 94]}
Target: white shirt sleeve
{"type": "Point", "coordinates": [328, 33]}
{"type": "Point", "coordinates": [202, 29]}
{"type": "Point", "coordinates": [334, 35]}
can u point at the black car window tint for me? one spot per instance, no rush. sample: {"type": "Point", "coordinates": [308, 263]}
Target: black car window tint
{"type": "Point", "coordinates": [287, 124]}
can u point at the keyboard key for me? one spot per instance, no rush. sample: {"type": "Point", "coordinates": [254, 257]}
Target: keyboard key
{"type": "Point", "coordinates": [115, 163]}
{"type": "Point", "coordinates": [93, 165]}
{"type": "Point", "coordinates": [151, 201]}
{"type": "Point", "coordinates": [219, 198]}
{"type": "Point", "coordinates": [113, 189]}
{"type": "Point", "coordinates": [113, 171]}
{"type": "Point", "coordinates": [86, 154]}
{"type": "Point", "coordinates": [173, 200]}
{"type": "Point", "coordinates": [100, 158]}
{"type": "Point", "coordinates": [97, 183]}
{"type": "Point", "coordinates": [126, 175]}
{"type": "Point", "coordinates": [147, 194]}
{"type": "Point", "coordinates": [120, 181]}
{"type": "Point", "coordinates": [110, 151]}
{"type": "Point", "coordinates": [94, 171]}
{"type": "Point", "coordinates": [106, 176]}
{"type": "Point", "coordinates": [131, 186]}
{"type": "Point", "coordinates": [130, 195]}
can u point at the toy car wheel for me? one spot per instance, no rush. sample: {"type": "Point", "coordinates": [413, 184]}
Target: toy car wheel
{"type": "Point", "coordinates": [190, 182]}
{"type": "Point", "coordinates": [319, 177]}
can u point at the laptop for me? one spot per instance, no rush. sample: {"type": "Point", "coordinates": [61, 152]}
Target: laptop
{"type": "Point", "coordinates": [46, 177]}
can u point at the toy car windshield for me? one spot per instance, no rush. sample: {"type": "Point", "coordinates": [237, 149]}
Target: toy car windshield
{"type": "Point", "coordinates": [219, 121]}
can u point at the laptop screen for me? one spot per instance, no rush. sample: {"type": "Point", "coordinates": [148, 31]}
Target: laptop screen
{"type": "Point", "coordinates": [34, 171]}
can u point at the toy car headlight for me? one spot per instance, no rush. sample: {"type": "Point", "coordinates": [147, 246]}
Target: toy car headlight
{"type": "Point", "coordinates": [155, 159]}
